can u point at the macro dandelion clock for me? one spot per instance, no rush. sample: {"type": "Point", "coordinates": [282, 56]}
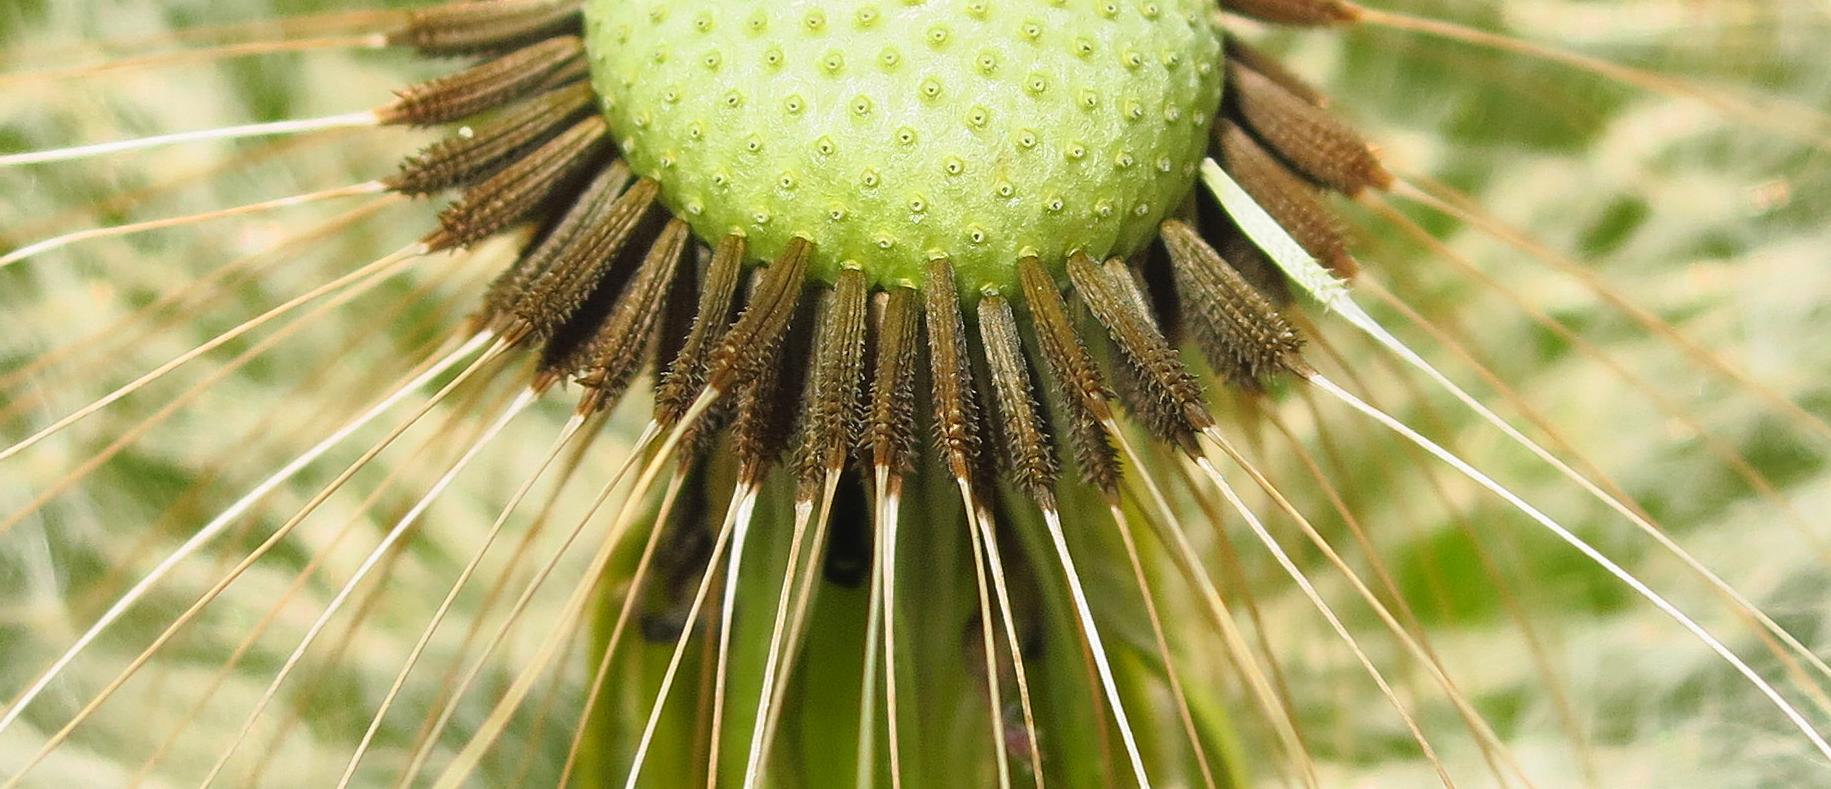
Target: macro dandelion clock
{"type": "Point", "coordinates": [915, 393]}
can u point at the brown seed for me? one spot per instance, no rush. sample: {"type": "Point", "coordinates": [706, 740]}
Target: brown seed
{"type": "Point", "coordinates": [1244, 54]}
{"type": "Point", "coordinates": [1028, 450]}
{"type": "Point", "coordinates": [553, 297]}
{"type": "Point", "coordinates": [1238, 329]}
{"type": "Point", "coordinates": [1312, 140]}
{"type": "Point", "coordinates": [509, 286]}
{"type": "Point", "coordinates": [479, 26]}
{"type": "Point", "coordinates": [676, 321]}
{"type": "Point", "coordinates": [738, 356]}
{"type": "Point", "coordinates": [1175, 406]}
{"type": "Point", "coordinates": [1125, 279]}
{"type": "Point", "coordinates": [485, 86]}
{"type": "Point", "coordinates": [890, 433]}
{"type": "Point", "coordinates": [1286, 197]}
{"type": "Point", "coordinates": [767, 401]}
{"type": "Point", "coordinates": [460, 160]}
{"type": "Point", "coordinates": [563, 350]}
{"type": "Point", "coordinates": [519, 189]}
{"type": "Point", "coordinates": [831, 416]}
{"type": "Point", "coordinates": [1129, 382]}
{"type": "Point", "coordinates": [1305, 13]}
{"type": "Point", "coordinates": [950, 370]}
{"type": "Point", "coordinates": [711, 316]}
{"type": "Point", "coordinates": [1094, 456]}
{"type": "Point", "coordinates": [1150, 271]}
{"type": "Point", "coordinates": [1061, 345]}
{"type": "Point", "coordinates": [1248, 259]}
{"type": "Point", "coordinates": [614, 352]}
{"type": "Point", "coordinates": [1079, 392]}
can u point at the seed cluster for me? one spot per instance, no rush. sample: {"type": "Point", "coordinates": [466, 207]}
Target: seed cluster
{"type": "Point", "coordinates": [972, 112]}
{"type": "Point", "coordinates": [814, 363]}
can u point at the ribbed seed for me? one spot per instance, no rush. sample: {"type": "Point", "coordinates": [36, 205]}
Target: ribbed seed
{"type": "Point", "coordinates": [479, 26]}
{"type": "Point", "coordinates": [1237, 328]}
{"type": "Point", "coordinates": [1178, 409]}
{"type": "Point", "coordinates": [1061, 345]}
{"type": "Point", "coordinates": [556, 294]}
{"type": "Point", "coordinates": [767, 401]}
{"type": "Point", "coordinates": [519, 189]}
{"type": "Point", "coordinates": [890, 432]}
{"type": "Point", "coordinates": [676, 320]}
{"type": "Point", "coordinates": [1244, 54]}
{"type": "Point", "coordinates": [1125, 280]}
{"type": "Point", "coordinates": [1028, 451]}
{"type": "Point", "coordinates": [831, 414]}
{"type": "Point", "coordinates": [1094, 456]}
{"type": "Point", "coordinates": [1286, 197]}
{"type": "Point", "coordinates": [574, 70]}
{"type": "Point", "coordinates": [483, 87]}
{"type": "Point", "coordinates": [686, 373]}
{"type": "Point", "coordinates": [1080, 394]}
{"type": "Point", "coordinates": [462, 159]}
{"type": "Point", "coordinates": [703, 434]}
{"type": "Point", "coordinates": [1142, 403]}
{"type": "Point", "coordinates": [1312, 140]}
{"type": "Point", "coordinates": [612, 355]}
{"type": "Point", "coordinates": [950, 370]}
{"type": "Point", "coordinates": [509, 286]}
{"type": "Point", "coordinates": [1130, 383]}
{"type": "Point", "coordinates": [772, 307]}
{"type": "Point", "coordinates": [1297, 12]}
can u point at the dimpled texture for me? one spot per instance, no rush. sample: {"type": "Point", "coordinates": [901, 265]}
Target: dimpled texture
{"type": "Point", "coordinates": [895, 131]}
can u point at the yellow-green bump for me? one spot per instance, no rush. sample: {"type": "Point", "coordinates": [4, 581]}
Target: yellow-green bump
{"type": "Point", "coordinates": [893, 131]}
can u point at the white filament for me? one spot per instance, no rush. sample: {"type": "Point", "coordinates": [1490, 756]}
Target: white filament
{"type": "Point", "coordinates": [1588, 550]}
{"type": "Point", "coordinates": [1081, 609]}
{"type": "Point", "coordinates": [489, 538]}
{"type": "Point", "coordinates": [59, 242]}
{"type": "Point", "coordinates": [743, 503]}
{"type": "Point", "coordinates": [1302, 268]}
{"type": "Point", "coordinates": [753, 761]}
{"type": "Point", "coordinates": [382, 267]}
{"type": "Point", "coordinates": [222, 521]}
{"type": "Point", "coordinates": [522, 401]}
{"type": "Point", "coordinates": [269, 129]}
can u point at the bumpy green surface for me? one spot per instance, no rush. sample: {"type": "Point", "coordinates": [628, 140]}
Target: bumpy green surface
{"type": "Point", "coordinates": [894, 131]}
